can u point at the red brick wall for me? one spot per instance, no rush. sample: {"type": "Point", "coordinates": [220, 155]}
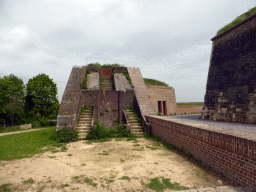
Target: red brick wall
{"type": "Point", "coordinates": [234, 156]}
{"type": "Point", "coordinates": [105, 72]}
{"type": "Point", "coordinates": [113, 101]}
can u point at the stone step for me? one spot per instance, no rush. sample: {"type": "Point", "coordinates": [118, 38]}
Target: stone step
{"type": "Point", "coordinates": [83, 127]}
{"type": "Point", "coordinates": [84, 118]}
{"type": "Point", "coordinates": [135, 127]}
{"type": "Point", "coordinates": [133, 123]}
{"type": "Point", "coordinates": [132, 117]}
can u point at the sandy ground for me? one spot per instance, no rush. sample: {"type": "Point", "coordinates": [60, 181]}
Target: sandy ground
{"type": "Point", "coordinates": [188, 109]}
{"type": "Point", "coordinates": [105, 164]}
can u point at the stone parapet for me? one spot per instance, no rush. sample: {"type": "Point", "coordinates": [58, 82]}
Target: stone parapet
{"type": "Point", "coordinates": [143, 99]}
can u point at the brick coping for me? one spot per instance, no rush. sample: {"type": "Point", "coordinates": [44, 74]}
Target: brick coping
{"type": "Point", "coordinates": [236, 133]}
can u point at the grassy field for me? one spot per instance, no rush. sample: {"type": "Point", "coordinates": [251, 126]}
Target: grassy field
{"type": "Point", "coordinates": [27, 144]}
{"type": "Point", "coordinates": [190, 103]}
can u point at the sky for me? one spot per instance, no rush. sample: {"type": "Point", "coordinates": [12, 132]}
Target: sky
{"type": "Point", "coordinates": [168, 40]}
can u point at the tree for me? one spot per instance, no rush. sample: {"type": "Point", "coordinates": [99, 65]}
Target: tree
{"type": "Point", "coordinates": [41, 97]}
{"type": "Point", "coordinates": [14, 106]}
{"type": "Point", "coordinates": [11, 87]}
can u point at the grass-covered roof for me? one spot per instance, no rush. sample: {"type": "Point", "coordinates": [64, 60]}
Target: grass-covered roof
{"type": "Point", "coordinates": [237, 20]}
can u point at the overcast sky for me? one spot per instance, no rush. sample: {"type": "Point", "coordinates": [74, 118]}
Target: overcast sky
{"type": "Point", "coordinates": [168, 40]}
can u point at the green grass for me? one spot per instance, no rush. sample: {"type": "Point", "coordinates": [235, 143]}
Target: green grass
{"type": "Point", "coordinates": [237, 20]}
{"type": "Point", "coordinates": [18, 146]}
{"type": "Point", "coordinates": [154, 82]}
{"type": "Point", "coordinates": [156, 185]}
{"type": "Point", "coordinates": [190, 103]}
{"type": "Point", "coordinates": [105, 65]}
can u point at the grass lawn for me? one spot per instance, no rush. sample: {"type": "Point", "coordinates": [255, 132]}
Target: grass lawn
{"type": "Point", "coordinates": [27, 144]}
{"type": "Point", "coordinates": [190, 103]}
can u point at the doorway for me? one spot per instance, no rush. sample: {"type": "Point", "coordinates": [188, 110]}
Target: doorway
{"type": "Point", "coordinates": [164, 108]}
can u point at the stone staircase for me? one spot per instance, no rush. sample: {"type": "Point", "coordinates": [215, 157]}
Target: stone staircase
{"type": "Point", "coordinates": [106, 84]}
{"type": "Point", "coordinates": [132, 120]}
{"type": "Point", "coordinates": [84, 124]}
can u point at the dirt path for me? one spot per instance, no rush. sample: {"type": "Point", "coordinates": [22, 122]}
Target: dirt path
{"type": "Point", "coordinates": [108, 166]}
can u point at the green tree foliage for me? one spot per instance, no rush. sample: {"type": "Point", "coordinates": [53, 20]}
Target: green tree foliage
{"type": "Point", "coordinates": [41, 97]}
{"type": "Point", "coordinates": [14, 106]}
{"type": "Point", "coordinates": [11, 89]}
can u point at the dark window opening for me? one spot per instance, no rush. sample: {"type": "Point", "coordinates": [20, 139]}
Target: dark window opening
{"type": "Point", "coordinates": [159, 107]}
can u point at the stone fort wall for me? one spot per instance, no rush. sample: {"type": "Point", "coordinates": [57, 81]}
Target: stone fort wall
{"type": "Point", "coordinates": [231, 85]}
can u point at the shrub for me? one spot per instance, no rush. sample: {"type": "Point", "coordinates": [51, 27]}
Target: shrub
{"type": "Point", "coordinates": [65, 135]}
{"type": "Point", "coordinates": [36, 124]}
{"type": "Point", "coordinates": [102, 133]}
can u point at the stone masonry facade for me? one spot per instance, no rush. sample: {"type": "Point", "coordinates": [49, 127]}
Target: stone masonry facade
{"type": "Point", "coordinates": [231, 85]}
{"type": "Point", "coordinates": [162, 93]}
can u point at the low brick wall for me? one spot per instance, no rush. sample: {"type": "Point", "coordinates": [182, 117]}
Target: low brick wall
{"type": "Point", "coordinates": [232, 153]}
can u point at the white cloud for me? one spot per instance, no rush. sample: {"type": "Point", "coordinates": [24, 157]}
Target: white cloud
{"type": "Point", "coordinates": [12, 37]}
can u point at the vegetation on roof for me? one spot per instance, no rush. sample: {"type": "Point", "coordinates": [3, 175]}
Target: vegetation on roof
{"type": "Point", "coordinates": [154, 82]}
{"type": "Point", "coordinates": [237, 20]}
{"type": "Point", "coordinates": [105, 65]}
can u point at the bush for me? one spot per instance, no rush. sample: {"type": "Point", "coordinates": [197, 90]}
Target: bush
{"type": "Point", "coordinates": [102, 133]}
{"type": "Point", "coordinates": [65, 135]}
{"type": "Point", "coordinates": [36, 124]}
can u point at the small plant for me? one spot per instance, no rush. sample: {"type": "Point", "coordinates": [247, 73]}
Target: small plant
{"type": "Point", "coordinates": [122, 160]}
{"type": "Point", "coordinates": [106, 110]}
{"type": "Point", "coordinates": [65, 135]}
{"type": "Point", "coordinates": [125, 108]}
{"type": "Point", "coordinates": [125, 177]}
{"type": "Point", "coordinates": [5, 187]}
{"type": "Point", "coordinates": [159, 114]}
{"type": "Point", "coordinates": [101, 113]}
{"type": "Point", "coordinates": [30, 180]}
{"type": "Point", "coordinates": [116, 120]}
{"type": "Point", "coordinates": [64, 185]}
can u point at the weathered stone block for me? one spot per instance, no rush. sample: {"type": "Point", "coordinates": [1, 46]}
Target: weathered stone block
{"type": "Point", "coordinates": [26, 126]}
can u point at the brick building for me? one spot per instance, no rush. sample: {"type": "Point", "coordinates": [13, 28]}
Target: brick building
{"type": "Point", "coordinates": [109, 93]}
